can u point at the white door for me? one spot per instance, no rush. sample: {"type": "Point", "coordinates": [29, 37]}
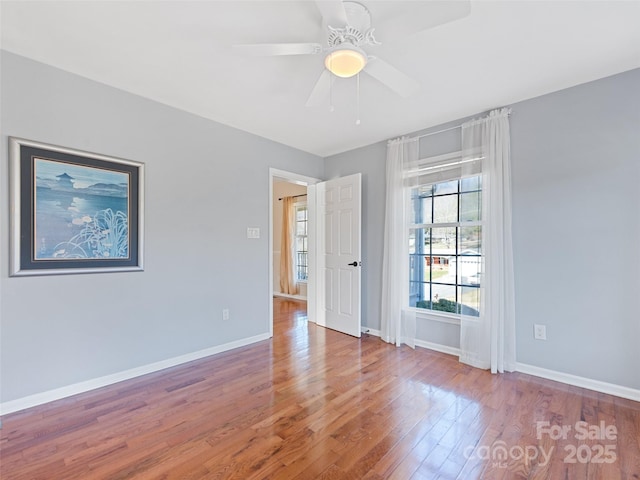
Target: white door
{"type": "Point", "coordinates": [338, 234]}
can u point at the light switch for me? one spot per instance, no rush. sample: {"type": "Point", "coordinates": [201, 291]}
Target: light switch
{"type": "Point", "coordinates": [253, 232]}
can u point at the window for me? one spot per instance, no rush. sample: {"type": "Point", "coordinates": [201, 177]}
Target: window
{"type": "Point", "coordinates": [445, 246]}
{"type": "Point", "coordinates": [301, 243]}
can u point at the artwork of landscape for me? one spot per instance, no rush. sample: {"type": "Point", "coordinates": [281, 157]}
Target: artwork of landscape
{"type": "Point", "coordinates": [81, 212]}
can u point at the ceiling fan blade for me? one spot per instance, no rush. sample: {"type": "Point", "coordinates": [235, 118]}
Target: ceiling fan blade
{"type": "Point", "coordinates": [320, 92]}
{"type": "Point", "coordinates": [274, 49]}
{"type": "Point", "coordinates": [333, 12]}
{"type": "Point", "coordinates": [390, 76]}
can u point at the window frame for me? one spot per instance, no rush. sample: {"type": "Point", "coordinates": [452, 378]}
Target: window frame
{"type": "Point", "coordinates": [453, 159]}
{"type": "Point", "coordinates": [296, 206]}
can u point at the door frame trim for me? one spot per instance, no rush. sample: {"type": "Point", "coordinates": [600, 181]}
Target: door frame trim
{"type": "Point", "coordinates": [312, 281]}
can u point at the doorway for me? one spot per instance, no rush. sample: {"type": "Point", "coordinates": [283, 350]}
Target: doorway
{"type": "Point", "coordinates": [294, 197]}
{"type": "Point", "coordinates": [287, 184]}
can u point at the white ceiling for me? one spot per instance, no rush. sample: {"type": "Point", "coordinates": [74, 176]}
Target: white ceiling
{"type": "Point", "coordinates": [179, 53]}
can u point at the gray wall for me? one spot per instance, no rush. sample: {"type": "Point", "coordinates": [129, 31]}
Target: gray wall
{"type": "Point", "coordinates": [576, 167]}
{"type": "Point", "coordinates": [206, 183]}
{"type": "Point", "coordinates": [576, 209]}
{"type": "Point", "coordinates": [576, 199]}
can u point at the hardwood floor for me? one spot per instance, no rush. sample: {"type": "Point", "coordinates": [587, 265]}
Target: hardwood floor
{"type": "Point", "coordinates": [315, 404]}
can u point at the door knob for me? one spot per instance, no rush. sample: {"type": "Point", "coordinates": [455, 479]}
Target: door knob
{"type": "Point", "coordinates": [353, 264]}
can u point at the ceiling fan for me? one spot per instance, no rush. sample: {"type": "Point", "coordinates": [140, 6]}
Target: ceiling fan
{"type": "Point", "coordinates": [349, 31]}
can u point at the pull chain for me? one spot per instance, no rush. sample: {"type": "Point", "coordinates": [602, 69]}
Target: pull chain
{"type": "Point", "coordinates": [331, 107]}
{"type": "Point", "coordinates": [358, 99]}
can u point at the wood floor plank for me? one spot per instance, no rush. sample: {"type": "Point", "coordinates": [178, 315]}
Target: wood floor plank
{"type": "Point", "coordinates": [312, 403]}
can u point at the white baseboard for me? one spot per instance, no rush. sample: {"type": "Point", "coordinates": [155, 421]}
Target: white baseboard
{"type": "Point", "coordinates": [596, 385]}
{"type": "Point", "coordinates": [286, 295]}
{"type": "Point", "coordinates": [420, 343]}
{"type": "Point", "coordinates": [69, 390]}
{"type": "Point", "coordinates": [371, 331]}
{"type": "Point", "coordinates": [439, 348]}
{"type": "Point", "coordinates": [81, 387]}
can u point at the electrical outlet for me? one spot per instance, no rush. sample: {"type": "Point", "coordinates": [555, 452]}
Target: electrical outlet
{"type": "Point", "coordinates": [225, 314]}
{"type": "Point", "coordinates": [253, 232]}
{"type": "Point", "coordinates": [540, 332]}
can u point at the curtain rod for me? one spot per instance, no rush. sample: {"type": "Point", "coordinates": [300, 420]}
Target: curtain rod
{"type": "Point", "coordinates": [450, 128]}
{"type": "Point", "coordinates": [439, 131]}
{"type": "Point", "coordinates": [295, 196]}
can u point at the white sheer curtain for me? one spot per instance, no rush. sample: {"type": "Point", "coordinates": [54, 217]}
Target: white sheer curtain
{"type": "Point", "coordinates": [489, 340]}
{"type": "Point", "coordinates": [398, 323]}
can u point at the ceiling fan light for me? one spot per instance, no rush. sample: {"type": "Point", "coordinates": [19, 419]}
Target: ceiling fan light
{"type": "Point", "coordinates": [345, 62]}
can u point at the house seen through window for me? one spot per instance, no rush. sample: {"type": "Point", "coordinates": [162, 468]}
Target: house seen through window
{"type": "Point", "coordinates": [445, 246]}
{"type": "Point", "coordinates": [301, 243]}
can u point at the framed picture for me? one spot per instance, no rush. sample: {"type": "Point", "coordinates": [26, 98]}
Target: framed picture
{"type": "Point", "coordinates": [74, 211]}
